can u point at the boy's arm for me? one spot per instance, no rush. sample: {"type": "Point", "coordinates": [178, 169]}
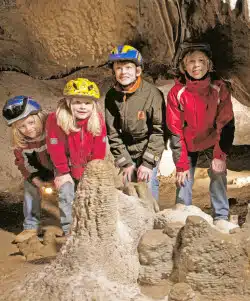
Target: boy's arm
{"type": "Point", "coordinates": [224, 124]}
{"type": "Point", "coordinates": [175, 120]}
{"type": "Point", "coordinates": [56, 145]}
{"type": "Point", "coordinates": [156, 143]}
{"type": "Point", "coordinates": [117, 147]}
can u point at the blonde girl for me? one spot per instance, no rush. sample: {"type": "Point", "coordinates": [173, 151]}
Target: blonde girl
{"type": "Point", "coordinates": [76, 134]}
{"type": "Point", "coordinates": [27, 121]}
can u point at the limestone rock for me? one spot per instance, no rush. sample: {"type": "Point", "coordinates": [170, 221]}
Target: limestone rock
{"type": "Point", "coordinates": [179, 214]}
{"type": "Point", "coordinates": [141, 191]}
{"type": "Point", "coordinates": [47, 39]}
{"type": "Point", "coordinates": [33, 249]}
{"type": "Point", "coordinates": [211, 262]}
{"type": "Point", "coordinates": [181, 292]}
{"type": "Point", "coordinates": [99, 261]}
{"type": "Point", "coordinates": [155, 255]}
{"type": "Point", "coordinates": [173, 229]}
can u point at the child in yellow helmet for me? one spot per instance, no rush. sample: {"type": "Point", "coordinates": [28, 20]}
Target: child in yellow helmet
{"type": "Point", "coordinates": [76, 134]}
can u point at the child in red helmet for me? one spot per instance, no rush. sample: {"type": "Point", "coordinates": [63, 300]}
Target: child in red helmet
{"type": "Point", "coordinates": [200, 118]}
{"type": "Point", "coordinates": [27, 121]}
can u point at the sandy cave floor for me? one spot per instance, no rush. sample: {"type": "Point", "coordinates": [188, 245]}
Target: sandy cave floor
{"type": "Point", "coordinates": [13, 265]}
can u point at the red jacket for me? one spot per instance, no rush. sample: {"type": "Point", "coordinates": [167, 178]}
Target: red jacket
{"type": "Point", "coordinates": [196, 115]}
{"type": "Point", "coordinates": [70, 153]}
{"type": "Point", "coordinates": [33, 160]}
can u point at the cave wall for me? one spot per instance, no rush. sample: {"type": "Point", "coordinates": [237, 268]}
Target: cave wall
{"type": "Point", "coordinates": [49, 40]}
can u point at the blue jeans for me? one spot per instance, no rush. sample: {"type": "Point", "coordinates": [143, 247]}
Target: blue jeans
{"type": "Point", "coordinates": [66, 197]}
{"type": "Point", "coordinates": [31, 206]}
{"type": "Point", "coordinates": [153, 183]}
{"type": "Point", "coordinates": [217, 189]}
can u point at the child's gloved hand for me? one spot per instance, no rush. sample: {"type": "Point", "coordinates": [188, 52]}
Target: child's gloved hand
{"type": "Point", "coordinates": [144, 174]}
{"type": "Point", "coordinates": [60, 180]}
{"type": "Point", "coordinates": [218, 166]}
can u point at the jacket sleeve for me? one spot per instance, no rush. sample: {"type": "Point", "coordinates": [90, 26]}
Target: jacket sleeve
{"type": "Point", "coordinates": [224, 124]}
{"type": "Point", "coordinates": [100, 143]}
{"type": "Point", "coordinates": [156, 142]}
{"type": "Point", "coordinates": [175, 121]}
{"type": "Point", "coordinates": [117, 147]}
{"type": "Point", "coordinates": [20, 163]}
{"type": "Point", "coordinates": [56, 141]}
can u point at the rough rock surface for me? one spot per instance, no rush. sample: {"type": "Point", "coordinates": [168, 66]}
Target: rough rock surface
{"type": "Point", "coordinates": [99, 260]}
{"type": "Point", "coordinates": [47, 39]}
{"type": "Point", "coordinates": [179, 215]}
{"type": "Point", "coordinates": [155, 255]}
{"type": "Point", "coordinates": [181, 292]}
{"type": "Point", "coordinates": [33, 249]}
{"type": "Point", "coordinates": [113, 244]}
{"type": "Point", "coordinates": [211, 262]}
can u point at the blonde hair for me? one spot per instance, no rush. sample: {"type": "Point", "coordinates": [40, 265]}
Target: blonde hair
{"type": "Point", "coordinates": [182, 64]}
{"type": "Point", "coordinates": [67, 121]}
{"type": "Point", "coordinates": [21, 141]}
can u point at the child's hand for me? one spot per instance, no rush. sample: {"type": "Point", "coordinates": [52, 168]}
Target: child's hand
{"type": "Point", "coordinates": [181, 176]}
{"type": "Point", "coordinates": [127, 174]}
{"type": "Point", "coordinates": [38, 182]}
{"type": "Point", "coordinates": [218, 166]}
{"type": "Point", "coordinates": [60, 180]}
{"type": "Point", "coordinates": [144, 174]}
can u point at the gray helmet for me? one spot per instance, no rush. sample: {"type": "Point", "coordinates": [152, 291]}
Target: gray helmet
{"type": "Point", "coordinates": [186, 47]}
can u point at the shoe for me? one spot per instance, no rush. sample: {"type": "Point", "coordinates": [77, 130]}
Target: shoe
{"type": "Point", "coordinates": [25, 235]}
{"type": "Point", "coordinates": [224, 225]}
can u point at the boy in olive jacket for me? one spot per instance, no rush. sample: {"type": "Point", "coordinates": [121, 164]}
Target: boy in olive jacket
{"type": "Point", "coordinates": [134, 111]}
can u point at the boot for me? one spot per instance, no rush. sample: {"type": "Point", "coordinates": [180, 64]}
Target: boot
{"type": "Point", "coordinates": [25, 235]}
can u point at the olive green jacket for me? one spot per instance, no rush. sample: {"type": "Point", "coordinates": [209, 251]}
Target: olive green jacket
{"type": "Point", "coordinates": [135, 125]}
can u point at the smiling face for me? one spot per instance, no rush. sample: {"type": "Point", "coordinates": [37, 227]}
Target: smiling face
{"type": "Point", "coordinates": [81, 107]}
{"type": "Point", "coordinates": [28, 127]}
{"type": "Point", "coordinates": [196, 64]}
{"type": "Point", "coordinates": [126, 72]}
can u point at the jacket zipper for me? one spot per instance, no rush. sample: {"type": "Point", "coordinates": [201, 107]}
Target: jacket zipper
{"type": "Point", "coordinates": [81, 147]}
{"type": "Point", "coordinates": [125, 112]}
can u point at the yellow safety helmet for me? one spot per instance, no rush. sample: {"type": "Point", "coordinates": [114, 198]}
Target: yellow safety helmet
{"type": "Point", "coordinates": [81, 87]}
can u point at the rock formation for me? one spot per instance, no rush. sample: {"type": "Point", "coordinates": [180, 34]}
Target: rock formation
{"type": "Point", "coordinates": [114, 244]}
{"type": "Point", "coordinates": [211, 262]}
{"type": "Point", "coordinates": [181, 292]}
{"type": "Point", "coordinates": [99, 260]}
{"type": "Point", "coordinates": [48, 40]}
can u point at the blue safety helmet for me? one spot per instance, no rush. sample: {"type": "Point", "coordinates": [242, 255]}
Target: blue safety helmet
{"type": "Point", "coordinates": [19, 107]}
{"type": "Point", "coordinates": [125, 53]}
